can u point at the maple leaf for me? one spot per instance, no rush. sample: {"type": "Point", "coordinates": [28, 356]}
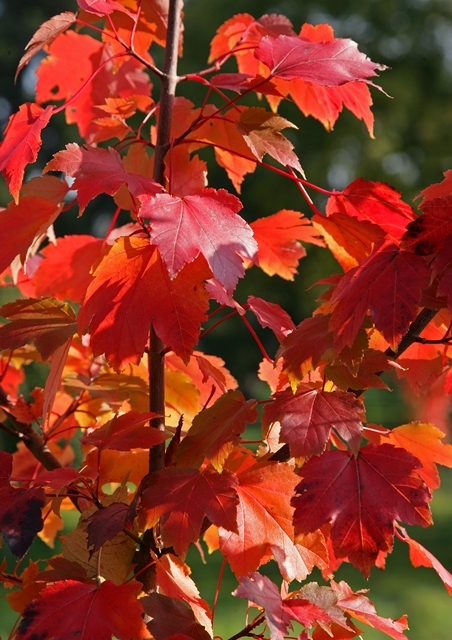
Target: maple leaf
{"type": "Point", "coordinates": [361, 608]}
{"type": "Point", "coordinates": [131, 281]}
{"type": "Point", "coordinates": [329, 63]}
{"type": "Point", "coordinates": [126, 432]}
{"type": "Point", "coordinates": [105, 524]}
{"type": "Point", "coordinates": [64, 271]}
{"type": "Point", "coordinates": [401, 275]}
{"type": "Point", "coordinates": [264, 522]}
{"type": "Point", "coordinates": [320, 603]}
{"type": "Point", "coordinates": [183, 497]}
{"type": "Point", "coordinates": [374, 202]}
{"type": "Point", "coordinates": [171, 617]}
{"type": "Point", "coordinates": [308, 344]}
{"type": "Point", "coordinates": [428, 232]}
{"type": "Point", "coordinates": [308, 416]}
{"type": "Point", "coordinates": [77, 68]}
{"type": "Point", "coordinates": [205, 223]}
{"type": "Point", "coordinates": [20, 510]}
{"type": "Point", "coordinates": [261, 591]}
{"type": "Point", "coordinates": [423, 440]}
{"type": "Point", "coordinates": [85, 610]}
{"type": "Point", "coordinates": [173, 579]}
{"type": "Point", "coordinates": [98, 171]}
{"type": "Point", "coordinates": [361, 496]}
{"type": "Point", "coordinates": [271, 315]}
{"type": "Point", "coordinates": [262, 132]}
{"type": "Point", "coordinates": [421, 557]}
{"type": "Point", "coordinates": [277, 237]}
{"type": "Point", "coordinates": [214, 428]}
{"type": "Point", "coordinates": [48, 322]}
{"type": "Point", "coordinates": [21, 143]}
{"type": "Point", "coordinates": [47, 32]}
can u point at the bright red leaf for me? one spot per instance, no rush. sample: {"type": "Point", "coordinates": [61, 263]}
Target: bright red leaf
{"type": "Point", "coordinates": [99, 171]}
{"type": "Point", "coordinates": [26, 221]}
{"type": "Point", "coordinates": [421, 557]}
{"type": "Point", "coordinates": [100, 7]}
{"type": "Point", "coordinates": [401, 275]}
{"type": "Point", "coordinates": [126, 432]}
{"type": "Point", "coordinates": [131, 289]}
{"type": "Point", "coordinates": [65, 270]}
{"type": "Point", "coordinates": [48, 322]}
{"type": "Point", "coordinates": [277, 237]}
{"type": "Point", "coordinates": [330, 63]}
{"type": "Point", "coordinates": [183, 497]}
{"type": "Point", "coordinates": [374, 202]}
{"type": "Point", "coordinates": [427, 233]}
{"type": "Point", "coordinates": [307, 345]}
{"type": "Point", "coordinates": [308, 416]}
{"type": "Point", "coordinates": [361, 496]}
{"type": "Point", "coordinates": [21, 143]}
{"type": "Point", "coordinates": [271, 315]}
{"type": "Point", "coordinates": [205, 223]}
{"type": "Point", "coordinates": [73, 66]}
{"type": "Point", "coordinates": [84, 610]}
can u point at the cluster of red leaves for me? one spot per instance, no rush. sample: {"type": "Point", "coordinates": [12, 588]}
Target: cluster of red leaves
{"type": "Point", "coordinates": [324, 487]}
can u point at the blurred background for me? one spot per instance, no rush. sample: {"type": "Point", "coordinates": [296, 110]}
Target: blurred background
{"type": "Point", "coordinates": [411, 149]}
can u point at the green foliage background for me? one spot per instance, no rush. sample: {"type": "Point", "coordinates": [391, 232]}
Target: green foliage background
{"type": "Point", "coordinates": [411, 149]}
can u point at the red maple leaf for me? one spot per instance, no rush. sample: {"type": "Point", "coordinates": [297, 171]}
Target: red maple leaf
{"type": "Point", "coordinates": [264, 521]}
{"type": "Point", "coordinates": [361, 496]}
{"type": "Point", "coordinates": [20, 510]}
{"type": "Point", "coordinates": [277, 237]}
{"type": "Point", "coordinates": [215, 429]}
{"type": "Point", "coordinates": [428, 232]}
{"type": "Point", "coordinates": [21, 143]}
{"type": "Point", "coordinates": [100, 7]}
{"type": "Point", "coordinates": [77, 67]}
{"type": "Point", "coordinates": [131, 282]}
{"type": "Point", "coordinates": [205, 223]}
{"type": "Point", "coordinates": [99, 171]}
{"type": "Point", "coordinates": [400, 275]}
{"type": "Point", "coordinates": [374, 202]}
{"type": "Point", "coordinates": [125, 432]}
{"type": "Point", "coordinates": [271, 315]}
{"type": "Point", "coordinates": [308, 416]}
{"type": "Point", "coordinates": [105, 524]}
{"type": "Point", "coordinates": [329, 63]}
{"type": "Point", "coordinates": [183, 497]}
{"type": "Point", "coordinates": [64, 271]}
{"type": "Point", "coordinates": [26, 221]}
{"type": "Point", "coordinates": [84, 610]}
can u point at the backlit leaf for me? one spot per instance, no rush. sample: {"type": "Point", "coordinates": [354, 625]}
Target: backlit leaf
{"type": "Point", "coordinates": [205, 223]}
{"type": "Point", "coordinates": [99, 171]}
{"type": "Point", "coordinates": [21, 143]}
{"type": "Point", "coordinates": [330, 63]}
{"type": "Point", "coordinates": [131, 282]}
{"type": "Point", "coordinates": [362, 497]}
{"type": "Point", "coordinates": [308, 416]}
{"type": "Point", "coordinates": [88, 611]}
{"type": "Point", "coordinates": [126, 432]}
